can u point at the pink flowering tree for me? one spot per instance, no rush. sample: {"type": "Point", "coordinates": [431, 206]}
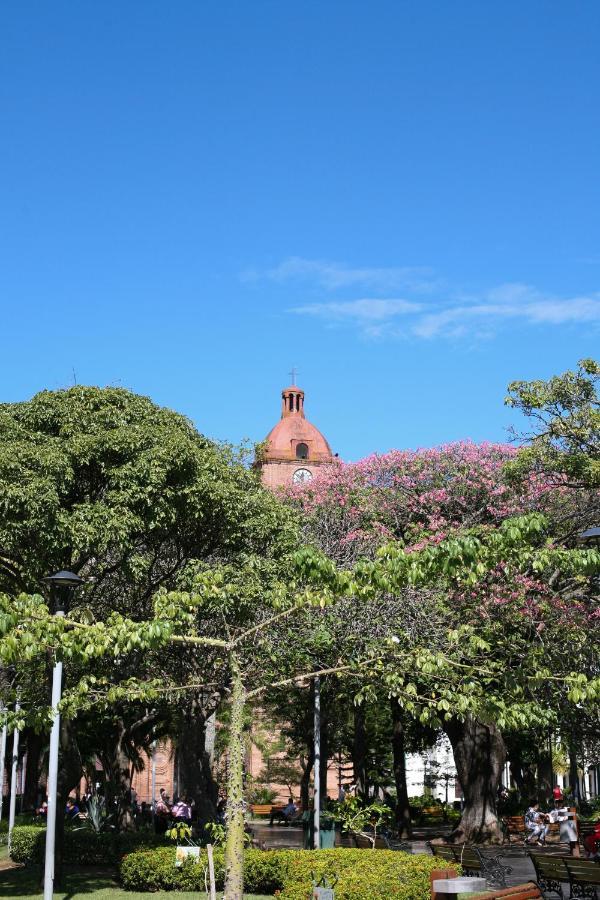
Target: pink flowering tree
{"type": "Point", "coordinates": [420, 498]}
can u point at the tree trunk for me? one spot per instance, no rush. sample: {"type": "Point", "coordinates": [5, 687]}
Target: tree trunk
{"type": "Point", "coordinates": [35, 746]}
{"type": "Point", "coordinates": [123, 771]}
{"type": "Point", "coordinates": [306, 764]}
{"type": "Point", "coordinates": [479, 755]}
{"type": "Point", "coordinates": [324, 754]}
{"type": "Point", "coordinates": [544, 776]}
{"type": "Point", "coordinates": [574, 774]}
{"type": "Point", "coordinates": [196, 780]}
{"type": "Point", "coordinates": [70, 770]}
{"type": "Point", "coordinates": [234, 844]}
{"type": "Point", "coordinates": [359, 751]}
{"type": "Point", "coordinates": [117, 770]}
{"type": "Point", "coordinates": [403, 822]}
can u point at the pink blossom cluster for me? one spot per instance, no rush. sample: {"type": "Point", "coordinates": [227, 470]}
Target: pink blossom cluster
{"type": "Point", "coordinates": [420, 495]}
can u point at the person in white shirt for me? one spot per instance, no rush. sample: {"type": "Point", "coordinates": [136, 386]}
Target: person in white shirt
{"type": "Point", "coordinates": [567, 823]}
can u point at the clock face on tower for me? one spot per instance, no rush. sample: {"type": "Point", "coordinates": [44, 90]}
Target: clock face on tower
{"type": "Point", "coordinates": [302, 476]}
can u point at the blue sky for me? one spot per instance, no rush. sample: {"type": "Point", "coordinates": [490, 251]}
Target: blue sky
{"type": "Point", "coordinates": [399, 198]}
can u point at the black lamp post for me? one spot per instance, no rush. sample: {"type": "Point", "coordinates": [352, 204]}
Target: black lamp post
{"type": "Point", "coordinates": [61, 585]}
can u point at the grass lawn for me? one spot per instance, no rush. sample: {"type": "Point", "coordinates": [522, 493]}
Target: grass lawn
{"type": "Point", "coordinates": [80, 885]}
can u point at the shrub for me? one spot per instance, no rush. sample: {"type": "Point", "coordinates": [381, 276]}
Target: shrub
{"type": "Point", "coordinates": [82, 847]}
{"type": "Point", "coordinates": [153, 870]}
{"type": "Point", "coordinates": [362, 874]}
{"type": "Point", "coordinates": [27, 844]}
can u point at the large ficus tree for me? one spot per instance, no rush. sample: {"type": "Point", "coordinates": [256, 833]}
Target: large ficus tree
{"type": "Point", "coordinates": [128, 495]}
{"type": "Point", "coordinates": [123, 492]}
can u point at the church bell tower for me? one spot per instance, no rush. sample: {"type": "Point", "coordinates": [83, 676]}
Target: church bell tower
{"type": "Point", "coordinates": [294, 447]}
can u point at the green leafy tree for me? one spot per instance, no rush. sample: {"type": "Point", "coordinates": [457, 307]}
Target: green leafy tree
{"type": "Point", "coordinates": [130, 496]}
{"type": "Point", "coordinates": [564, 412]}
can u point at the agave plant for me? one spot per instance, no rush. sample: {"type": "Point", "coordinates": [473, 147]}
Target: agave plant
{"type": "Point", "coordinates": [97, 818]}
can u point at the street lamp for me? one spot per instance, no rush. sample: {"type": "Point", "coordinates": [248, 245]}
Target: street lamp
{"type": "Point", "coordinates": [61, 585]}
{"type": "Point", "coordinates": [317, 766]}
{"type": "Point", "coordinates": [3, 735]}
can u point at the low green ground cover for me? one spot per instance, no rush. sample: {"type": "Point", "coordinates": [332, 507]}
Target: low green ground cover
{"type": "Point", "coordinates": [21, 883]}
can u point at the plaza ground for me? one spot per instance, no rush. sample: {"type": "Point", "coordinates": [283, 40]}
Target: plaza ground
{"type": "Point", "coordinates": [24, 883]}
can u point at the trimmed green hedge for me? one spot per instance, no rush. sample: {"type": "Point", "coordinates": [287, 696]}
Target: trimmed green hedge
{"type": "Point", "coordinates": [83, 847]}
{"type": "Point", "coordinates": [362, 874]}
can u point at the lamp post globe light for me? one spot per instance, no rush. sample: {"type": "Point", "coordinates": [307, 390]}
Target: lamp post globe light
{"type": "Point", "coordinates": [61, 586]}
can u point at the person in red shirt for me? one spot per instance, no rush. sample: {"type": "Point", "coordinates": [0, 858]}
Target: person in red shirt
{"type": "Point", "coordinates": [591, 842]}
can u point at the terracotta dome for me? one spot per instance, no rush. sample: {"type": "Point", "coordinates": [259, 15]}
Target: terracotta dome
{"type": "Point", "coordinates": [294, 437]}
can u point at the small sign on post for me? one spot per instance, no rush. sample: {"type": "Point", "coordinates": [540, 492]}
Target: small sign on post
{"type": "Point", "coordinates": [323, 893]}
{"type": "Point", "coordinates": [323, 889]}
{"type": "Point", "coordinates": [183, 853]}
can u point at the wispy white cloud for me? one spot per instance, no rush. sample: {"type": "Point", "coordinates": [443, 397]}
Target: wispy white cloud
{"type": "Point", "coordinates": [508, 302]}
{"type": "Point", "coordinates": [363, 311]}
{"type": "Point", "coordinates": [333, 276]}
{"type": "Point", "coordinates": [427, 308]}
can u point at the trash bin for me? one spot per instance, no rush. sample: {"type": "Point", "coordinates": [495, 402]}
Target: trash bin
{"type": "Point", "coordinates": [326, 833]}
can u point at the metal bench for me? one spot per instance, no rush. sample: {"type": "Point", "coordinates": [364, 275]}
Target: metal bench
{"type": "Point", "coordinates": [474, 862]}
{"type": "Point", "coordinates": [550, 872]}
{"type": "Point", "coordinates": [382, 842]}
{"type": "Point", "coordinates": [584, 877]}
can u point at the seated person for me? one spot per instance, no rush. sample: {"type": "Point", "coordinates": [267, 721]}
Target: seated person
{"type": "Point", "coordinates": [287, 813]}
{"type": "Point", "coordinates": [71, 809]}
{"type": "Point", "coordinates": [535, 823]}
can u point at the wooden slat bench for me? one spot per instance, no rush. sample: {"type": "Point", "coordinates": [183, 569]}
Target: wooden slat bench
{"type": "Point", "coordinates": [550, 872]}
{"type": "Point", "coordinates": [443, 851]}
{"type": "Point", "coordinates": [261, 809]}
{"type": "Point", "coordinates": [514, 826]}
{"type": "Point", "coordinates": [584, 876]}
{"type": "Point", "coordinates": [474, 862]}
{"type": "Point", "coordinates": [382, 842]}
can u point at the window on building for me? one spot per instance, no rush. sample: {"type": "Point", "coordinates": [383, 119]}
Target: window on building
{"type": "Point", "coordinates": [301, 451]}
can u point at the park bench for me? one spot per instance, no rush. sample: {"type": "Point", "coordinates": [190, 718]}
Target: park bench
{"type": "Point", "coordinates": [382, 842]}
{"type": "Point", "coordinates": [278, 813]}
{"type": "Point", "coordinates": [514, 826]}
{"type": "Point", "coordinates": [550, 872]}
{"type": "Point", "coordinates": [584, 876]}
{"type": "Point", "coordinates": [474, 862]}
{"type": "Point", "coordinates": [261, 809]}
